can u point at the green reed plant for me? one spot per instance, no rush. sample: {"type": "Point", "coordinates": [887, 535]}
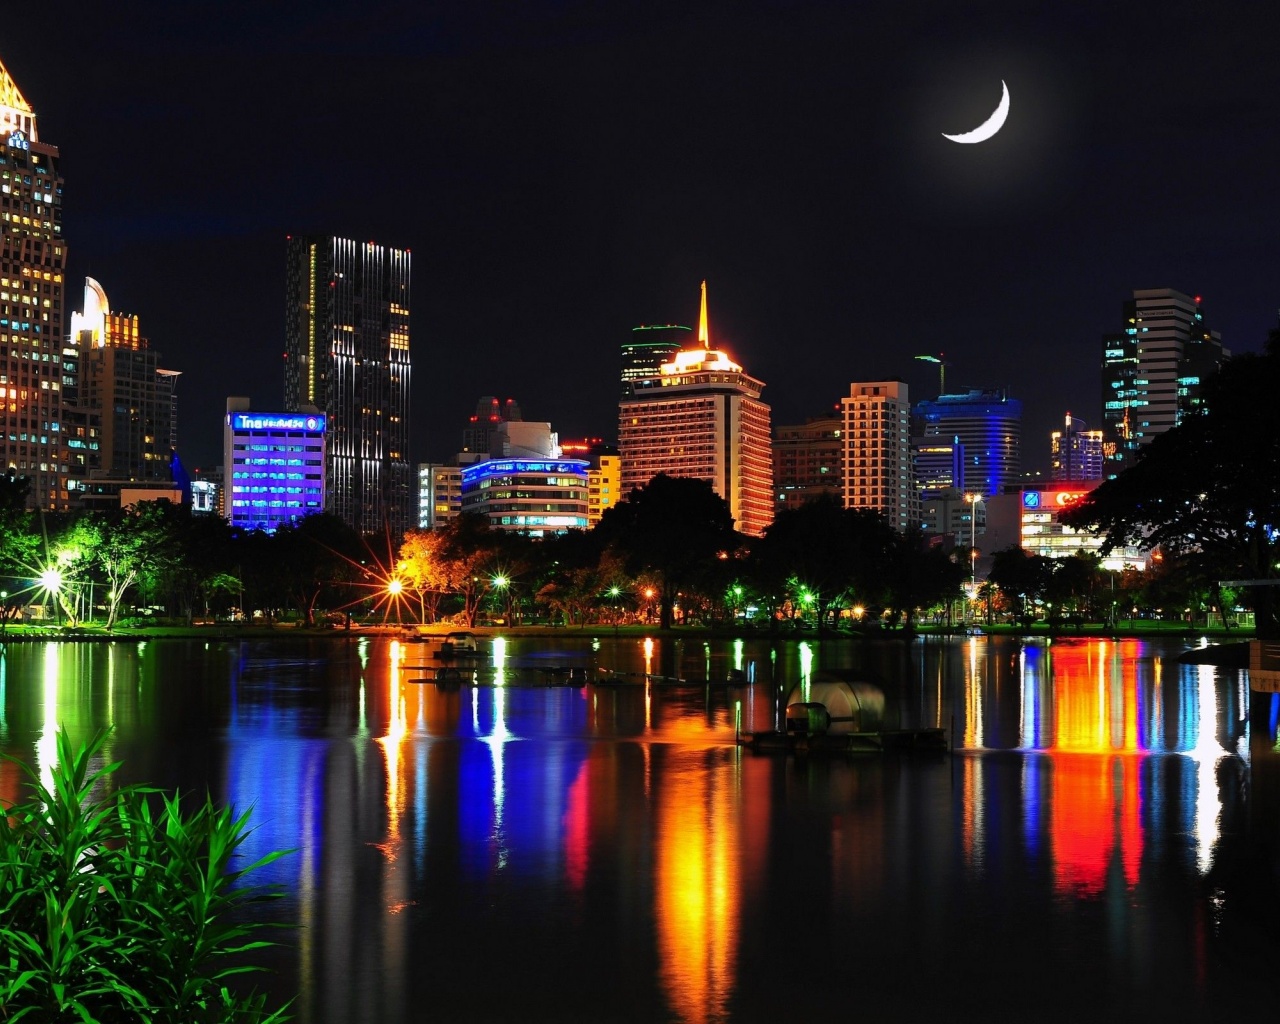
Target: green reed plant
{"type": "Point", "coordinates": [116, 906]}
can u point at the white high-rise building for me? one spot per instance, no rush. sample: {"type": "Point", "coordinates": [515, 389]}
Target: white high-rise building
{"type": "Point", "coordinates": [877, 451]}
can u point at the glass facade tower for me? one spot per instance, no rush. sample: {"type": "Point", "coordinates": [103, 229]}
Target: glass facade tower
{"type": "Point", "coordinates": [347, 354]}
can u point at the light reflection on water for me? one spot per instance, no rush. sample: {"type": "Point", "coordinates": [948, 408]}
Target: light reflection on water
{"type": "Point", "coordinates": [433, 827]}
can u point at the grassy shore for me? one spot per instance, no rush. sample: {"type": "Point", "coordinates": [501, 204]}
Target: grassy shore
{"type": "Point", "coordinates": [1141, 629]}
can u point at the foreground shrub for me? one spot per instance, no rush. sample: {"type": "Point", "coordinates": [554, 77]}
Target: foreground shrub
{"type": "Point", "coordinates": [121, 908]}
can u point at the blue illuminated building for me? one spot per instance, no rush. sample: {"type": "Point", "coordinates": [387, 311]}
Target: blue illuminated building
{"type": "Point", "coordinates": [274, 466]}
{"type": "Point", "coordinates": [533, 496]}
{"type": "Point", "coordinates": [983, 428]}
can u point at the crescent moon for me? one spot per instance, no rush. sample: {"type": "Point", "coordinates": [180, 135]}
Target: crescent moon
{"type": "Point", "coordinates": [988, 127]}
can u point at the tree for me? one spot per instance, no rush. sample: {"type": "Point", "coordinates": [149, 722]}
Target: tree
{"type": "Point", "coordinates": [920, 575]}
{"type": "Point", "coordinates": [673, 527]}
{"type": "Point", "coordinates": [1210, 485]}
{"type": "Point", "coordinates": [316, 554]}
{"type": "Point", "coordinates": [136, 541]}
{"type": "Point", "coordinates": [1021, 577]}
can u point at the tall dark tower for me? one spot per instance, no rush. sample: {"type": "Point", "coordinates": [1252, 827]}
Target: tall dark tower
{"type": "Point", "coordinates": [33, 440]}
{"type": "Point", "coordinates": [347, 354]}
{"type": "Point", "coordinates": [1153, 370]}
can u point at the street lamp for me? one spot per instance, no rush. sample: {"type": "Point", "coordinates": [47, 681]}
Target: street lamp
{"type": "Point", "coordinates": [615, 592]}
{"type": "Point", "coordinates": [973, 499]}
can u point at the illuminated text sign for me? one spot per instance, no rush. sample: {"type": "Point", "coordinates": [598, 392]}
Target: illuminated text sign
{"type": "Point", "coordinates": [276, 421]}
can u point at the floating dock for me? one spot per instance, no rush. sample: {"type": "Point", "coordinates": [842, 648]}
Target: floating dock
{"type": "Point", "coordinates": [906, 741]}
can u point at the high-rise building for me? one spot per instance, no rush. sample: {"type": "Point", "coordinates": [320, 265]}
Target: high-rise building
{"type": "Point", "coordinates": [347, 354]}
{"type": "Point", "coordinates": [273, 465]}
{"type": "Point", "coordinates": [1075, 452]}
{"type": "Point", "coordinates": [1153, 370]}
{"type": "Point", "coordinates": [121, 383]}
{"type": "Point", "coordinates": [649, 346]}
{"type": "Point", "coordinates": [982, 427]}
{"type": "Point", "coordinates": [807, 459]}
{"type": "Point", "coordinates": [489, 413]}
{"type": "Point", "coordinates": [877, 451]}
{"type": "Point", "coordinates": [32, 261]}
{"type": "Point", "coordinates": [604, 473]}
{"type": "Point", "coordinates": [701, 417]}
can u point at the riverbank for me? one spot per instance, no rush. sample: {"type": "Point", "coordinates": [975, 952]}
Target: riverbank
{"type": "Point", "coordinates": [285, 630]}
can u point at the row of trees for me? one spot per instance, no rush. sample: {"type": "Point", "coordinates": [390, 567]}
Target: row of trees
{"type": "Point", "coordinates": [1205, 496]}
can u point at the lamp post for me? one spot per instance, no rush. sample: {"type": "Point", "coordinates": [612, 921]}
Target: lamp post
{"type": "Point", "coordinates": [973, 499]}
{"type": "Point", "coordinates": [615, 592]}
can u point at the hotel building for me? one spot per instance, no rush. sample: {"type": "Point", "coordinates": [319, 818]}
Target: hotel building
{"type": "Point", "coordinates": [877, 451]}
{"type": "Point", "coordinates": [33, 440]}
{"type": "Point", "coordinates": [124, 388]}
{"type": "Point", "coordinates": [347, 354]}
{"type": "Point", "coordinates": [701, 417]}
{"type": "Point", "coordinates": [273, 466]}
{"type": "Point", "coordinates": [807, 459]}
{"type": "Point", "coordinates": [983, 429]}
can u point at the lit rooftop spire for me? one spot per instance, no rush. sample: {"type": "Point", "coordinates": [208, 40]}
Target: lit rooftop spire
{"type": "Point", "coordinates": [16, 114]}
{"type": "Point", "coordinates": [704, 336]}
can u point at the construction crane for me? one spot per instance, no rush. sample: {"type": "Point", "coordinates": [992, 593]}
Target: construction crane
{"type": "Point", "coordinates": [940, 359]}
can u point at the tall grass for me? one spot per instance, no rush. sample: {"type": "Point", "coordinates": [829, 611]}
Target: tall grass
{"type": "Point", "coordinates": [119, 907]}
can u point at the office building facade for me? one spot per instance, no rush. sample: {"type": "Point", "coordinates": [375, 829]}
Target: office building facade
{"type": "Point", "coordinates": [530, 496]}
{"type": "Point", "coordinates": [32, 341]}
{"type": "Point", "coordinates": [701, 417]}
{"type": "Point", "coordinates": [648, 348]}
{"type": "Point", "coordinates": [1153, 371]}
{"type": "Point", "coordinates": [877, 451]}
{"type": "Point", "coordinates": [273, 466]}
{"type": "Point", "coordinates": [978, 431]}
{"type": "Point", "coordinates": [347, 355]}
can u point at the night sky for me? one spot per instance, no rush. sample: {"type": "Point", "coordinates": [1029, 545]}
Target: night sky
{"type": "Point", "coordinates": [566, 171]}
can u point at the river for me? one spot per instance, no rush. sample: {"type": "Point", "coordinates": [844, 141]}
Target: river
{"type": "Point", "coordinates": [1101, 843]}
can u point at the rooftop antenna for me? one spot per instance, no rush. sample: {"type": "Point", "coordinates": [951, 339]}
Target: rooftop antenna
{"type": "Point", "coordinates": [942, 370]}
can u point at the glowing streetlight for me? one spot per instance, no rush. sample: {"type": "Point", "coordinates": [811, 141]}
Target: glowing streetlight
{"type": "Point", "coordinates": [973, 500]}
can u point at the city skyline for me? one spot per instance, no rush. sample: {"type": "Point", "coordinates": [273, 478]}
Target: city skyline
{"type": "Point", "coordinates": [564, 175]}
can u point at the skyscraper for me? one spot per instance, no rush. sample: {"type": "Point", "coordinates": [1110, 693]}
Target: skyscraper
{"type": "Point", "coordinates": [123, 385]}
{"type": "Point", "coordinates": [347, 354]}
{"type": "Point", "coordinates": [1153, 370]}
{"type": "Point", "coordinates": [476, 435]}
{"type": "Point", "coordinates": [1075, 452]}
{"type": "Point", "coordinates": [986, 427]}
{"type": "Point", "coordinates": [32, 261]}
{"type": "Point", "coordinates": [877, 451]}
{"type": "Point", "coordinates": [701, 416]}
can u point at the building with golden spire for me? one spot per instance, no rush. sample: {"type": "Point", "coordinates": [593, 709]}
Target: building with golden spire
{"type": "Point", "coordinates": [33, 441]}
{"type": "Point", "coordinates": [701, 417]}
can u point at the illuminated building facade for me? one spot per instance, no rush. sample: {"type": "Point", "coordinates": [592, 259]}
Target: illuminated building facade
{"type": "Point", "coordinates": [986, 427]}
{"type": "Point", "coordinates": [439, 494]}
{"type": "Point", "coordinates": [701, 417]}
{"type": "Point", "coordinates": [347, 354]}
{"type": "Point", "coordinates": [807, 458]}
{"type": "Point", "coordinates": [1043, 534]}
{"type": "Point", "coordinates": [1075, 452]}
{"type": "Point", "coordinates": [32, 261]}
{"type": "Point", "coordinates": [530, 496]}
{"type": "Point", "coordinates": [123, 385]}
{"type": "Point", "coordinates": [648, 348]}
{"type": "Point", "coordinates": [1153, 371]}
{"type": "Point", "coordinates": [273, 466]}
{"type": "Point", "coordinates": [604, 473]}
{"type": "Point", "coordinates": [877, 451]}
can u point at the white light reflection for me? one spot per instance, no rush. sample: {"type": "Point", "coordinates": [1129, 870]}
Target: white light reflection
{"type": "Point", "coordinates": [46, 747]}
{"type": "Point", "coordinates": [739, 645]}
{"type": "Point", "coordinates": [806, 669]}
{"type": "Point", "coordinates": [499, 658]}
{"type": "Point", "coordinates": [1207, 754]}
